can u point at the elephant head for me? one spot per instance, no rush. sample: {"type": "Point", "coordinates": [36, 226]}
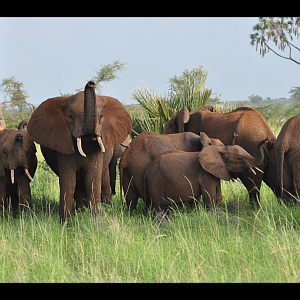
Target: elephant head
{"type": "Point", "coordinates": [220, 160]}
{"type": "Point", "coordinates": [176, 124]}
{"type": "Point", "coordinates": [205, 140]}
{"type": "Point", "coordinates": [17, 150]}
{"type": "Point", "coordinates": [62, 123]}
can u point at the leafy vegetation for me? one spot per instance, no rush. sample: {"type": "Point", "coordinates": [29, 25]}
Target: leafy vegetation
{"type": "Point", "coordinates": [187, 90]}
{"type": "Point", "coordinates": [15, 94]}
{"type": "Point", "coordinates": [280, 30]}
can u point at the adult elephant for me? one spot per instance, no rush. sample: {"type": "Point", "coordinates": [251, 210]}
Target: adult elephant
{"type": "Point", "coordinates": [250, 126]}
{"type": "Point", "coordinates": [283, 173]}
{"type": "Point", "coordinates": [18, 163]}
{"type": "Point", "coordinates": [109, 188]}
{"type": "Point", "coordinates": [144, 149]}
{"type": "Point", "coordinates": [77, 135]}
{"type": "Point", "coordinates": [182, 176]}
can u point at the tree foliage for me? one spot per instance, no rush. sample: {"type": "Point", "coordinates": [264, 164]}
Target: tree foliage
{"type": "Point", "coordinates": [15, 94]}
{"type": "Point", "coordinates": [255, 100]}
{"type": "Point", "coordinates": [281, 31]}
{"type": "Point", "coordinates": [106, 73]}
{"type": "Point", "coordinates": [187, 90]}
{"type": "Point", "coordinates": [295, 93]}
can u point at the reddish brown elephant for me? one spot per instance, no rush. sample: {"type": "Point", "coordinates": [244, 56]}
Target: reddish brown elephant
{"type": "Point", "coordinates": [283, 173]}
{"type": "Point", "coordinates": [181, 176]}
{"type": "Point", "coordinates": [250, 126]}
{"type": "Point", "coordinates": [143, 150]}
{"type": "Point", "coordinates": [109, 188]}
{"type": "Point", "coordinates": [18, 163]}
{"type": "Point", "coordinates": [77, 135]}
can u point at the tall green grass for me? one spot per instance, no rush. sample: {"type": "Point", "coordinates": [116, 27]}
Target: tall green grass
{"type": "Point", "coordinates": [236, 243]}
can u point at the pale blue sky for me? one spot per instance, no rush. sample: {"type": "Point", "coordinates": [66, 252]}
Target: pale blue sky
{"type": "Point", "coordinates": [47, 53]}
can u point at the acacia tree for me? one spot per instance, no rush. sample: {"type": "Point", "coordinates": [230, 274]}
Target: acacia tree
{"type": "Point", "coordinates": [295, 91]}
{"type": "Point", "coordinates": [279, 30]}
{"type": "Point", "coordinates": [15, 93]}
{"type": "Point", "coordinates": [105, 74]}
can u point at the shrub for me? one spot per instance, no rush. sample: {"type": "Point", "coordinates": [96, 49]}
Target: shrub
{"type": "Point", "coordinates": [187, 90]}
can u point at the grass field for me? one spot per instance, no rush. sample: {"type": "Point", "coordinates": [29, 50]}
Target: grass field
{"type": "Point", "coordinates": [236, 243]}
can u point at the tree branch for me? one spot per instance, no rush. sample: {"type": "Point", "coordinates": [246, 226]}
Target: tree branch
{"type": "Point", "coordinates": [290, 58]}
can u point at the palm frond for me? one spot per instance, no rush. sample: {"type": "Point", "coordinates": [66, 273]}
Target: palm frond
{"type": "Point", "coordinates": [187, 91]}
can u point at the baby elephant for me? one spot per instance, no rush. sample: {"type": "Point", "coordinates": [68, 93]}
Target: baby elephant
{"type": "Point", "coordinates": [182, 176]}
{"type": "Point", "coordinates": [18, 163]}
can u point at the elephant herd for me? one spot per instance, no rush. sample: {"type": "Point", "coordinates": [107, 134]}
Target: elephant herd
{"type": "Point", "coordinates": [82, 136]}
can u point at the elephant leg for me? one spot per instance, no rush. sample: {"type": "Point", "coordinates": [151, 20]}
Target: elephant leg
{"type": "Point", "coordinates": [67, 184]}
{"type": "Point", "coordinates": [67, 189]}
{"type": "Point", "coordinates": [113, 174]}
{"type": "Point", "coordinates": [106, 194]}
{"type": "Point", "coordinates": [130, 192]}
{"type": "Point", "coordinates": [93, 182]}
{"type": "Point", "coordinates": [219, 195]}
{"type": "Point", "coordinates": [80, 197]}
{"type": "Point", "coordinates": [209, 196]}
{"type": "Point", "coordinates": [252, 183]}
{"type": "Point", "coordinates": [2, 194]}
{"type": "Point", "coordinates": [24, 192]}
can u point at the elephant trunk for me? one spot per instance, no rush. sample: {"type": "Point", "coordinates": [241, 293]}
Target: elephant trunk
{"type": "Point", "coordinates": [90, 118]}
{"type": "Point", "coordinates": [20, 158]}
{"type": "Point", "coordinates": [19, 151]}
{"type": "Point", "coordinates": [259, 159]}
{"type": "Point", "coordinates": [90, 109]}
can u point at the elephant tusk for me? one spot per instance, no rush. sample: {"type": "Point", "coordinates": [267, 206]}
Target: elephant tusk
{"type": "Point", "coordinates": [12, 176]}
{"type": "Point", "coordinates": [80, 147]}
{"type": "Point", "coordinates": [258, 169]}
{"type": "Point", "coordinates": [100, 142]}
{"type": "Point", "coordinates": [28, 175]}
{"type": "Point", "coordinates": [253, 171]}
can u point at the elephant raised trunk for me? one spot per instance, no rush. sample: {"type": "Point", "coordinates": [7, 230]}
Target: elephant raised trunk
{"type": "Point", "coordinates": [90, 109]}
{"type": "Point", "coordinates": [90, 118]}
{"type": "Point", "coordinates": [259, 159]}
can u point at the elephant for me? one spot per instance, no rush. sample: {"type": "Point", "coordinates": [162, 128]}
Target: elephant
{"type": "Point", "coordinates": [283, 173]}
{"type": "Point", "coordinates": [18, 163]}
{"type": "Point", "coordinates": [143, 150]}
{"type": "Point", "coordinates": [77, 135]}
{"type": "Point", "coordinates": [182, 176]}
{"type": "Point", "coordinates": [110, 190]}
{"type": "Point", "coordinates": [250, 126]}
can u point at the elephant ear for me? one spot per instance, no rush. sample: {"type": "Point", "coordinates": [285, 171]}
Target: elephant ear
{"type": "Point", "coordinates": [211, 160]}
{"type": "Point", "coordinates": [176, 124]}
{"type": "Point", "coordinates": [204, 139]}
{"type": "Point", "coordinates": [182, 118]}
{"type": "Point", "coordinates": [48, 126]}
{"type": "Point", "coordinates": [117, 123]}
{"type": "Point", "coordinates": [2, 172]}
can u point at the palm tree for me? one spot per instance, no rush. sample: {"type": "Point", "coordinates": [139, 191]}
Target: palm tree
{"type": "Point", "coordinates": [188, 91]}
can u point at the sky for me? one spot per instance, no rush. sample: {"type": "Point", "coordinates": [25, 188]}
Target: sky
{"type": "Point", "coordinates": [52, 54]}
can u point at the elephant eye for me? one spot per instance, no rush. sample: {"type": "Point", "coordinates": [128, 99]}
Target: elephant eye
{"type": "Point", "coordinates": [4, 151]}
{"type": "Point", "coordinates": [71, 116]}
{"type": "Point", "coordinates": [100, 117]}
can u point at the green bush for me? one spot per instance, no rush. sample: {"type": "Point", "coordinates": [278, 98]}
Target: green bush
{"type": "Point", "coordinates": [187, 90]}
